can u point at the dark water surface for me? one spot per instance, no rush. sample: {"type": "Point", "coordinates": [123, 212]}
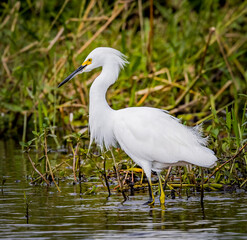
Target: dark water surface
{"type": "Point", "coordinates": [69, 215]}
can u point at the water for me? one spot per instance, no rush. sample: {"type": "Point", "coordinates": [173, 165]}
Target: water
{"type": "Point", "coordinates": [69, 215]}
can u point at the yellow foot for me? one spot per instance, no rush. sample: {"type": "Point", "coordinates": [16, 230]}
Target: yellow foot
{"type": "Point", "coordinates": [162, 198]}
{"type": "Point", "coordinates": [150, 202]}
{"type": "Point", "coordinates": [162, 194]}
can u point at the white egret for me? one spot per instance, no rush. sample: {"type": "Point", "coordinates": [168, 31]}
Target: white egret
{"type": "Point", "coordinates": [150, 136]}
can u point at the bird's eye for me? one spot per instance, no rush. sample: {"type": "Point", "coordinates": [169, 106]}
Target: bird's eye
{"type": "Point", "coordinates": [87, 62]}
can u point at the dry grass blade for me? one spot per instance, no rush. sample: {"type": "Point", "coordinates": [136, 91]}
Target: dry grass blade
{"type": "Point", "coordinates": [85, 16]}
{"type": "Point", "coordinates": [75, 153]}
{"type": "Point", "coordinates": [58, 15]}
{"type": "Point", "coordinates": [80, 90]}
{"type": "Point", "coordinates": [118, 176]}
{"type": "Point", "coordinates": [60, 32]}
{"type": "Point", "coordinates": [174, 84]}
{"type": "Point", "coordinates": [49, 164]}
{"type": "Point", "coordinates": [184, 106]}
{"type": "Point", "coordinates": [91, 19]}
{"type": "Point", "coordinates": [150, 90]}
{"type": "Point", "coordinates": [33, 165]}
{"type": "Point", "coordinates": [225, 59]}
{"type": "Point", "coordinates": [221, 91]}
{"type": "Point", "coordinates": [115, 13]}
{"type": "Point", "coordinates": [235, 48]}
{"type": "Point", "coordinates": [15, 8]}
{"type": "Point", "coordinates": [53, 169]}
{"type": "Point", "coordinates": [4, 61]}
{"type": "Point", "coordinates": [211, 31]}
{"type": "Point", "coordinates": [141, 24]}
{"type": "Point", "coordinates": [151, 34]}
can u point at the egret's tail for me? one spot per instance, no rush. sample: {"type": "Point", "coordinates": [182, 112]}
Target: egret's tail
{"type": "Point", "coordinates": [204, 157]}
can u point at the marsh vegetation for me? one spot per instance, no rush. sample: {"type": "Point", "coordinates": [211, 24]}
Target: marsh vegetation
{"type": "Point", "coordinates": [188, 57]}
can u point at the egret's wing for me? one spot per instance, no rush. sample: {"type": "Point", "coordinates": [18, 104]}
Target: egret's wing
{"type": "Point", "coordinates": [153, 135]}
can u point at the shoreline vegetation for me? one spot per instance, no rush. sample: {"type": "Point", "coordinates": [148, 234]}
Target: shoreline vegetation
{"type": "Point", "coordinates": [187, 57]}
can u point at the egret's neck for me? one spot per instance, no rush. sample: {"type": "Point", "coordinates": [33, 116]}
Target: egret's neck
{"type": "Point", "coordinates": [100, 113]}
{"type": "Point", "coordinates": [97, 95]}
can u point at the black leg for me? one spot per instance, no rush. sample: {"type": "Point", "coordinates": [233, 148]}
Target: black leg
{"type": "Point", "coordinates": [151, 195]}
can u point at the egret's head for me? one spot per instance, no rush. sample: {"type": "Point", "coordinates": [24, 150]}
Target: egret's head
{"type": "Point", "coordinates": [98, 58]}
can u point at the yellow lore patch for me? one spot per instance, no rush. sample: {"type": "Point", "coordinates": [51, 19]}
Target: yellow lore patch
{"type": "Point", "coordinates": [87, 62]}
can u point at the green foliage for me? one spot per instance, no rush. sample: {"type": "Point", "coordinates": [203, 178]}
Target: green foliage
{"type": "Point", "coordinates": [40, 43]}
{"type": "Point", "coordinates": [181, 67]}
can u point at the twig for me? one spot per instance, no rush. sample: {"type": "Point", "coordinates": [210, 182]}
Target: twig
{"type": "Point", "coordinates": [181, 182]}
{"type": "Point", "coordinates": [166, 178]}
{"type": "Point", "coordinates": [60, 164]}
{"type": "Point", "coordinates": [37, 170]}
{"type": "Point", "coordinates": [202, 188]}
{"type": "Point", "coordinates": [74, 158]}
{"type": "Point", "coordinates": [48, 162]}
{"type": "Point", "coordinates": [118, 176]}
{"type": "Point", "coordinates": [188, 185]}
{"type": "Point", "coordinates": [222, 165]}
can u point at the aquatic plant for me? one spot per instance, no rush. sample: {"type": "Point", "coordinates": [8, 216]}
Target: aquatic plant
{"type": "Point", "coordinates": [178, 62]}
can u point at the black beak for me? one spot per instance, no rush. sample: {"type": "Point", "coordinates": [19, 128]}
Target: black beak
{"type": "Point", "coordinates": [72, 75]}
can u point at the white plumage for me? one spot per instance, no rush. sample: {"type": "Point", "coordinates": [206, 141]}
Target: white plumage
{"type": "Point", "coordinates": [155, 140]}
{"type": "Point", "coordinates": [151, 137]}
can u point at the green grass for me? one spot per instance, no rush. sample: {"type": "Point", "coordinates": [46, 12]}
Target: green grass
{"type": "Point", "coordinates": [198, 75]}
